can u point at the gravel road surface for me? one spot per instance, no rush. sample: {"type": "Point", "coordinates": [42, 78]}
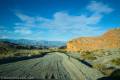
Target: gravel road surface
{"type": "Point", "coordinates": [54, 66]}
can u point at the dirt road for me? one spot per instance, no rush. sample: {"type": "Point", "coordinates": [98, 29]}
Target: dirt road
{"type": "Point", "coordinates": [55, 65]}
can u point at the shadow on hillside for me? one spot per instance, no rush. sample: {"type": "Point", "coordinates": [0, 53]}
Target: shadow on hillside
{"type": "Point", "coordinates": [114, 76]}
{"type": "Point", "coordinates": [15, 59]}
{"type": "Point", "coordinates": [86, 63]}
{"type": "Point", "coordinates": [82, 61]}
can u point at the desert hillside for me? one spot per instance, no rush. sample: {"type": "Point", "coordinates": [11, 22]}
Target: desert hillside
{"type": "Point", "coordinates": [110, 39]}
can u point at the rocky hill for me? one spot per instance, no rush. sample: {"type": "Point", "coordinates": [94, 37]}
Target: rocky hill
{"type": "Point", "coordinates": [110, 39]}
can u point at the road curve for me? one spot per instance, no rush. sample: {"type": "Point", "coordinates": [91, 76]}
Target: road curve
{"type": "Point", "coordinates": [55, 65]}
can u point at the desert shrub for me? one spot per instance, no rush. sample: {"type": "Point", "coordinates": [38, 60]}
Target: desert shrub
{"type": "Point", "coordinates": [104, 69]}
{"type": "Point", "coordinates": [88, 55]}
{"type": "Point", "coordinates": [3, 50]}
{"type": "Point", "coordinates": [99, 66]}
{"type": "Point", "coordinates": [27, 52]}
{"type": "Point", "coordinates": [6, 52]}
{"type": "Point", "coordinates": [116, 61]}
{"type": "Point", "coordinates": [87, 52]}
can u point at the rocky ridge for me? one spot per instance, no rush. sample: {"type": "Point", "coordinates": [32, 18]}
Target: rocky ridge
{"type": "Point", "coordinates": [110, 39]}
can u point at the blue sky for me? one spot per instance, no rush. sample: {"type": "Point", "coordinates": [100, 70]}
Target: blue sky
{"type": "Point", "coordinates": [59, 20]}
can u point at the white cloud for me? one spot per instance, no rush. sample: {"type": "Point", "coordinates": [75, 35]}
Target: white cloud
{"type": "Point", "coordinates": [63, 23]}
{"type": "Point", "coordinates": [29, 21]}
{"type": "Point", "coordinates": [25, 18]}
{"type": "Point", "coordinates": [99, 8]}
{"type": "Point", "coordinates": [4, 29]}
{"type": "Point", "coordinates": [23, 31]}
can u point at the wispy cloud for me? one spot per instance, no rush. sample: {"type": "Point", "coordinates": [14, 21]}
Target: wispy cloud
{"type": "Point", "coordinates": [4, 32]}
{"type": "Point", "coordinates": [23, 31]}
{"type": "Point", "coordinates": [99, 8]}
{"type": "Point", "coordinates": [65, 24]}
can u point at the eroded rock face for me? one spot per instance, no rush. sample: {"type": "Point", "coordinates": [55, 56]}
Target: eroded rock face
{"type": "Point", "coordinates": [110, 39]}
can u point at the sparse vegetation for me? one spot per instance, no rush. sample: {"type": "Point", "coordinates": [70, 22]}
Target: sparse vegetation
{"type": "Point", "coordinates": [85, 57]}
{"type": "Point", "coordinates": [88, 55]}
{"type": "Point", "coordinates": [22, 52]}
{"type": "Point", "coordinates": [29, 52]}
{"type": "Point", "coordinates": [104, 69]}
{"type": "Point", "coordinates": [11, 51]}
{"type": "Point", "coordinates": [116, 61]}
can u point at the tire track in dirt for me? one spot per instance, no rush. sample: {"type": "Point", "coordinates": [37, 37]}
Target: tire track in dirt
{"type": "Point", "coordinates": [52, 66]}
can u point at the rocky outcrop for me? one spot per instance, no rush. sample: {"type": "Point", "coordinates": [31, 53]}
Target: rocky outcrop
{"type": "Point", "coordinates": [108, 40]}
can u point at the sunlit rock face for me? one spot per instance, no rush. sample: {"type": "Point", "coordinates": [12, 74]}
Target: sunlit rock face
{"type": "Point", "coordinates": [108, 40]}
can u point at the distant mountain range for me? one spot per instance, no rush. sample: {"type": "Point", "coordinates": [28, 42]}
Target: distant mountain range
{"type": "Point", "coordinates": [35, 42]}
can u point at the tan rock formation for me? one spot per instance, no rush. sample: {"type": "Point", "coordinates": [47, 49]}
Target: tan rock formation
{"type": "Point", "coordinates": [110, 39]}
